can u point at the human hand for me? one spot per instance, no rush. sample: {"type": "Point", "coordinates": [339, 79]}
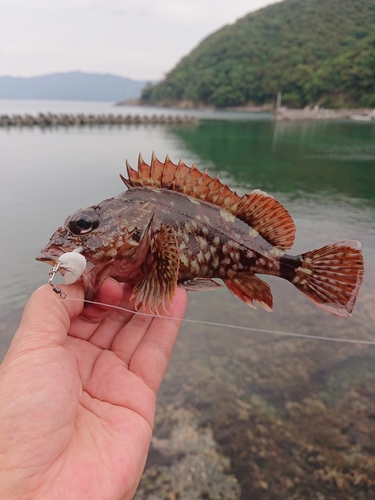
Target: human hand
{"type": "Point", "coordinates": [77, 390]}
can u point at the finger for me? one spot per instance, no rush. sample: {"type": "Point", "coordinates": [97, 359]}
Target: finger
{"type": "Point", "coordinates": [46, 317]}
{"type": "Point", "coordinates": [151, 355]}
{"type": "Point", "coordinates": [126, 342]}
{"type": "Point", "coordinates": [92, 315]}
{"type": "Point", "coordinates": [120, 316]}
{"type": "Point", "coordinates": [110, 293]}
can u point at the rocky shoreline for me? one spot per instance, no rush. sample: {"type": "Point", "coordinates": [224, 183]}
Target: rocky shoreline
{"type": "Point", "coordinates": [317, 113]}
{"type": "Point", "coordinates": [68, 120]}
{"type": "Point", "coordinates": [283, 113]}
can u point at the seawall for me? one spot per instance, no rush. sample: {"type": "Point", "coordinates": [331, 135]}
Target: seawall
{"type": "Point", "coordinates": [68, 120]}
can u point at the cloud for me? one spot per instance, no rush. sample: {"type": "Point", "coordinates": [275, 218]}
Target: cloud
{"type": "Point", "coordinates": [141, 39]}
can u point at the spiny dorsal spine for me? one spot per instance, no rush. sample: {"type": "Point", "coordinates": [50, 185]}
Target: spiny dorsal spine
{"type": "Point", "coordinates": [258, 209]}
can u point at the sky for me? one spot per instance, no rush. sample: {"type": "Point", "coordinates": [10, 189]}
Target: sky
{"type": "Point", "coordinates": [139, 39]}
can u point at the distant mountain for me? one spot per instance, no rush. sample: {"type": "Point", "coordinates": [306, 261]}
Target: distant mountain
{"type": "Point", "coordinates": [73, 86]}
{"type": "Point", "coordinates": [295, 47]}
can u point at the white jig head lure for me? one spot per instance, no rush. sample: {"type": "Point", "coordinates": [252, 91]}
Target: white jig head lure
{"type": "Point", "coordinates": [73, 263]}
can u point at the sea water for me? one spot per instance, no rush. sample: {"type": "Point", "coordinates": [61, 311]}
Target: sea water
{"type": "Point", "coordinates": [323, 173]}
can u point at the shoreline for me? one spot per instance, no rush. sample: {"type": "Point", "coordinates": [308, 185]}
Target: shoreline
{"type": "Point", "coordinates": [283, 113]}
{"type": "Point", "coordinates": [316, 113]}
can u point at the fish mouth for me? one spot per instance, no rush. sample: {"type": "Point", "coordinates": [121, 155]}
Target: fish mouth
{"type": "Point", "coordinates": [52, 253]}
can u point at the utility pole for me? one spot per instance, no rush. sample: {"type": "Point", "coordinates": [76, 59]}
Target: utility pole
{"type": "Point", "coordinates": [278, 101]}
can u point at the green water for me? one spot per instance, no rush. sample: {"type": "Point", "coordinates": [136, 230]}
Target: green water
{"type": "Point", "coordinates": [337, 158]}
{"type": "Point", "coordinates": [279, 407]}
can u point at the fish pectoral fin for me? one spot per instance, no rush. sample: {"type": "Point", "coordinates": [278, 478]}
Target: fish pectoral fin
{"type": "Point", "coordinates": [158, 286]}
{"type": "Point", "coordinates": [136, 246]}
{"type": "Point", "coordinates": [199, 284]}
{"type": "Point", "coordinates": [248, 288]}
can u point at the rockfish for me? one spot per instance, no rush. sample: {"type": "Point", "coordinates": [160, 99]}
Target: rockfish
{"type": "Point", "coordinates": [176, 226]}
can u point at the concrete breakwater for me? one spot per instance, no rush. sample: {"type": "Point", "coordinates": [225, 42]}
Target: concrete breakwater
{"type": "Point", "coordinates": [68, 120]}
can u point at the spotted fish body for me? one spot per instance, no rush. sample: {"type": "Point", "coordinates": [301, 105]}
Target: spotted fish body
{"type": "Point", "coordinates": [176, 226]}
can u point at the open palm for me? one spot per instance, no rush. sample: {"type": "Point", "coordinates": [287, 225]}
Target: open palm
{"type": "Point", "coordinates": [78, 389]}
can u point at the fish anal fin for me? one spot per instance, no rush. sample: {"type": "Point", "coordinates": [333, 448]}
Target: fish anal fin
{"type": "Point", "coordinates": [331, 276]}
{"type": "Point", "coordinates": [199, 284]}
{"type": "Point", "coordinates": [258, 209]}
{"type": "Point", "coordinates": [158, 286]}
{"type": "Point", "coordinates": [248, 288]}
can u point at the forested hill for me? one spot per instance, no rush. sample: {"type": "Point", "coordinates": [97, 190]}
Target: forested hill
{"type": "Point", "coordinates": [293, 46]}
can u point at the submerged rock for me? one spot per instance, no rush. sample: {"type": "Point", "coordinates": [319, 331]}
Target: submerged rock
{"type": "Point", "coordinates": [184, 462]}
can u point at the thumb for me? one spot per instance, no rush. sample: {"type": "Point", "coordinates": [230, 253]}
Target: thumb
{"type": "Point", "coordinates": [46, 318]}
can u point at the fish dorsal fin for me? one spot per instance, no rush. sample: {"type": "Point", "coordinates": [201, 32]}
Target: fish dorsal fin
{"type": "Point", "coordinates": [268, 217]}
{"type": "Point", "coordinates": [258, 209]}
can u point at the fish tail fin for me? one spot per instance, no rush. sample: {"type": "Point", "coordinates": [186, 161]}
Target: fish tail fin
{"type": "Point", "coordinates": [331, 276]}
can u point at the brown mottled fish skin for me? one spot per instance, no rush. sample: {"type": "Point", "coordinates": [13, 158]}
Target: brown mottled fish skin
{"type": "Point", "coordinates": [176, 226]}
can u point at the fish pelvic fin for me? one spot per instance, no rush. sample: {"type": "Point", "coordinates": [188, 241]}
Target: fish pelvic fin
{"type": "Point", "coordinates": [248, 288]}
{"type": "Point", "coordinates": [158, 286]}
{"type": "Point", "coordinates": [331, 276]}
{"type": "Point", "coordinates": [263, 213]}
{"type": "Point", "coordinates": [199, 284]}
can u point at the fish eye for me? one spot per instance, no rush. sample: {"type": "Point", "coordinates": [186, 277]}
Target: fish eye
{"type": "Point", "coordinates": [83, 222]}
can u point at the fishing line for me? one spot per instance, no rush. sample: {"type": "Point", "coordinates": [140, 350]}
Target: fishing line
{"type": "Point", "coordinates": [233, 327]}
{"type": "Point", "coordinates": [74, 264]}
